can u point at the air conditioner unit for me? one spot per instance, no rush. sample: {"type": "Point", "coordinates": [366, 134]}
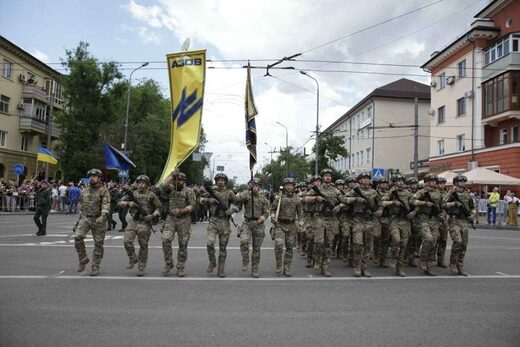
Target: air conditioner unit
{"type": "Point", "coordinates": [433, 84]}
{"type": "Point", "coordinates": [431, 111]}
{"type": "Point", "coordinates": [31, 80]}
{"type": "Point", "coordinates": [468, 94]}
{"type": "Point", "coordinates": [21, 106]}
{"type": "Point", "coordinates": [450, 80]}
{"type": "Point", "coordinates": [22, 78]}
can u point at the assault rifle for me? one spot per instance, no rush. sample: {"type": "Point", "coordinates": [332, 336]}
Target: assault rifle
{"type": "Point", "coordinates": [466, 212]}
{"type": "Point", "coordinates": [140, 210]}
{"type": "Point", "coordinates": [361, 195]}
{"type": "Point", "coordinates": [436, 210]}
{"type": "Point", "coordinates": [221, 206]}
{"type": "Point", "coordinates": [398, 198]}
{"type": "Point", "coordinates": [328, 204]}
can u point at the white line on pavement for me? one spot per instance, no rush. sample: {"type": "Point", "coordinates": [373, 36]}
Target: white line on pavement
{"type": "Point", "coordinates": [262, 279]}
{"type": "Point", "coordinates": [501, 273]}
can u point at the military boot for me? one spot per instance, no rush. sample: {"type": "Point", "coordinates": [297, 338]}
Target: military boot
{"type": "Point", "coordinates": [211, 267]}
{"type": "Point", "coordinates": [220, 272]}
{"type": "Point", "coordinates": [167, 268]}
{"type": "Point", "coordinates": [461, 271]}
{"type": "Point", "coordinates": [309, 263]}
{"type": "Point", "coordinates": [325, 271]}
{"type": "Point", "coordinates": [411, 262]}
{"type": "Point", "coordinates": [429, 271]}
{"type": "Point", "coordinates": [357, 271]}
{"type": "Point", "coordinates": [254, 272]}
{"type": "Point", "coordinates": [392, 263]}
{"type": "Point", "coordinates": [278, 269]}
{"type": "Point", "coordinates": [302, 251]}
{"type": "Point", "coordinates": [453, 268]}
{"type": "Point", "coordinates": [423, 266]}
{"type": "Point", "coordinates": [441, 263]}
{"type": "Point", "coordinates": [94, 271]}
{"type": "Point", "coordinates": [366, 273]}
{"type": "Point", "coordinates": [82, 263]}
{"type": "Point", "coordinates": [180, 272]}
{"type": "Point", "coordinates": [287, 271]}
{"type": "Point", "coordinates": [399, 271]}
{"type": "Point", "coordinates": [244, 266]}
{"type": "Point", "coordinates": [140, 271]}
{"type": "Point", "coordinates": [131, 263]}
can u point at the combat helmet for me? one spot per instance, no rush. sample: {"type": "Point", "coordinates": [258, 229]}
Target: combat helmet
{"type": "Point", "coordinates": [221, 175]}
{"type": "Point", "coordinates": [143, 178]}
{"type": "Point", "coordinates": [326, 171]}
{"type": "Point", "coordinates": [459, 178]}
{"type": "Point", "coordinates": [288, 180]}
{"type": "Point", "coordinates": [94, 172]}
{"type": "Point", "coordinates": [364, 174]}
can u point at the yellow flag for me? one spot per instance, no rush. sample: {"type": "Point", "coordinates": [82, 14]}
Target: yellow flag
{"type": "Point", "coordinates": [186, 71]}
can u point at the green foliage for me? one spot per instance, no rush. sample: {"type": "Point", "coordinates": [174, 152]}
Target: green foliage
{"type": "Point", "coordinates": [288, 161]}
{"type": "Point", "coordinates": [330, 148]}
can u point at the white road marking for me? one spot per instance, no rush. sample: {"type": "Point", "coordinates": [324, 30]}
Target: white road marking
{"type": "Point", "coordinates": [493, 238]}
{"type": "Point", "coordinates": [59, 273]}
{"type": "Point", "coordinates": [84, 276]}
{"type": "Point", "coordinates": [501, 273]}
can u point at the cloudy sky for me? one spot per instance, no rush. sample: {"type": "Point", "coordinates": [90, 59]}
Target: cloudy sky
{"type": "Point", "coordinates": [333, 35]}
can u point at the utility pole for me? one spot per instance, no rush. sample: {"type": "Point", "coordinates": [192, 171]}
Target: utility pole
{"type": "Point", "coordinates": [49, 132]}
{"type": "Point", "coordinates": [416, 139]}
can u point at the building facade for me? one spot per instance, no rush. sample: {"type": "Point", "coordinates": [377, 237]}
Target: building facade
{"type": "Point", "coordinates": [379, 130]}
{"type": "Point", "coordinates": [475, 81]}
{"type": "Point", "coordinates": [29, 93]}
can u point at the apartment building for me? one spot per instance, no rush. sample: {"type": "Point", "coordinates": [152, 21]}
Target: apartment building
{"type": "Point", "coordinates": [379, 130]}
{"type": "Point", "coordinates": [28, 88]}
{"type": "Point", "coordinates": [475, 84]}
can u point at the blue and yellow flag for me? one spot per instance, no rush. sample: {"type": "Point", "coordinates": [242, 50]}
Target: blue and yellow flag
{"type": "Point", "coordinates": [115, 159]}
{"type": "Point", "coordinates": [186, 71]}
{"type": "Point", "coordinates": [251, 112]}
{"type": "Point", "coordinates": [46, 156]}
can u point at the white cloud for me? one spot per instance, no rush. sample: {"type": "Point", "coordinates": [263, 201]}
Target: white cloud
{"type": "Point", "coordinates": [40, 55]}
{"type": "Point", "coordinates": [145, 34]}
{"type": "Point", "coordinates": [237, 29]}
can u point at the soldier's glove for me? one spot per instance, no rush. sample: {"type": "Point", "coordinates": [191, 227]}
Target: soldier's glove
{"type": "Point", "coordinates": [319, 199]}
{"type": "Point", "coordinates": [148, 218]}
{"type": "Point", "coordinates": [360, 200]}
{"type": "Point", "coordinates": [102, 219]}
{"type": "Point", "coordinates": [132, 204]}
{"type": "Point", "coordinates": [176, 212]}
{"type": "Point", "coordinates": [124, 203]}
{"type": "Point", "coordinates": [397, 203]}
{"type": "Point", "coordinates": [457, 204]}
{"type": "Point", "coordinates": [210, 200]}
{"type": "Point", "coordinates": [378, 213]}
{"type": "Point", "coordinates": [428, 204]}
{"type": "Point", "coordinates": [230, 211]}
{"type": "Point", "coordinates": [337, 209]}
{"type": "Point", "coordinates": [410, 215]}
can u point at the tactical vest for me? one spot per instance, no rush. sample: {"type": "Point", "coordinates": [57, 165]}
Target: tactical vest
{"type": "Point", "coordinates": [92, 201]}
{"type": "Point", "coordinates": [178, 199]}
{"type": "Point", "coordinates": [288, 207]}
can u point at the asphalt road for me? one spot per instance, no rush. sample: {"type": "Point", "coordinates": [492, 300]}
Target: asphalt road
{"type": "Point", "coordinates": [45, 302]}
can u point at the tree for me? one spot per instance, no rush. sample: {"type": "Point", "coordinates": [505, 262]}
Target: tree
{"type": "Point", "coordinates": [89, 91]}
{"type": "Point", "coordinates": [330, 148]}
{"type": "Point", "coordinates": [295, 163]}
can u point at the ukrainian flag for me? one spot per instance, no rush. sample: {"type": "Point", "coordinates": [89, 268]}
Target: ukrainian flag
{"type": "Point", "coordinates": [46, 156]}
{"type": "Point", "coordinates": [187, 72]}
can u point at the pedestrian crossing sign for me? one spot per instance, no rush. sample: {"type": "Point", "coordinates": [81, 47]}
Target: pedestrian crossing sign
{"type": "Point", "coordinates": [377, 172]}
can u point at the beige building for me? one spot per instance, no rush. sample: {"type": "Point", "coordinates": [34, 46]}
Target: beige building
{"type": "Point", "coordinates": [26, 87]}
{"type": "Point", "coordinates": [379, 130]}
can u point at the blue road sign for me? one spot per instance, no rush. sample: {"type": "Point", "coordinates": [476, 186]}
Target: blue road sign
{"type": "Point", "coordinates": [377, 172]}
{"type": "Point", "coordinates": [122, 173]}
{"type": "Point", "coordinates": [18, 169]}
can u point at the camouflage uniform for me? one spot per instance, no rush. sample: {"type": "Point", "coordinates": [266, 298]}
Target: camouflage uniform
{"type": "Point", "coordinates": [219, 226]}
{"type": "Point", "coordinates": [95, 205]}
{"type": "Point", "coordinates": [256, 211]}
{"type": "Point", "coordinates": [429, 223]}
{"type": "Point", "coordinates": [400, 226]}
{"type": "Point", "coordinates": [363, 226]}
{"type": "Point", "coordinates": [458, 227]}
{"type": "Point", "coordinates": [309, 223]}
{"type": "Point", "coordinates": [381, 233]}
{"type": "Point", "coordinates": [302, 226]}
{"type": "Point", "coordinates": [442, 241]}
{"type": "Point", "coordinates": [285, 228]}
{"type": "Point", "coordinates": [43, 206]}
{"type": "Point", "coordinates": [326, 227]}
{"type": "Point", "coordinates": [183, 201]}
{"type": "Point", "coordinates": [140, 225]}
{"type": "Point", "coordinates": [114, 199]}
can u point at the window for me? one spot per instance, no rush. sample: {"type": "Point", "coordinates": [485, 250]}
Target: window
{"type": "Point", "coordinates": [514, 134]}
{"type": "Point", "coordinates": [441, 117]}
{"type": "Point", "coordinates": [461, 145]}
{"type": "Point", "coordinates": [25, 143]}
{"type": "Point", "coordinates": [503, 136]}
{"type": "Point", "coordinates": [442, 80]}
{"type": "Point", "coordinates": [7, 69]}
{"type": "Point", "coordinates": [462, 68]}
{"type": "Point", "coordinates": [440, 147]}
{"type": "Point", "coordinates": [3, 135]}
{"type": "Point", "coordinates": [461, 107]}
{"type": "Point", "coordinates": [368, 155]}
{"type": "Point", "coordinates": [501, 94]}
{"type": "Point", "coordinates": [4, 103]}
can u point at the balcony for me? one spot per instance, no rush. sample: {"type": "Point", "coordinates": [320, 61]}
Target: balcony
{"type": "Point", "coordinates": [38, 126]}
{"type": "Point", "coordinates": [35, 92]}
{"type": "Point", "coordinates": [510, 61]}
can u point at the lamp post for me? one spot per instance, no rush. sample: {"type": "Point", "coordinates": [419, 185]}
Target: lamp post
{"type": "Point", "coordinates": [286, 147]}
{"type": "Point", "coordinates": [271, 162]}
{"type": "Point", "coordinates": [128, 103]}
{"type": "Point", "coordinates": [317, 118]}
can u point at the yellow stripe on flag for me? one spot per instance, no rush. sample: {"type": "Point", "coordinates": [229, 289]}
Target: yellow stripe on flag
{"type": "Point", "coordinates": [187, 72]}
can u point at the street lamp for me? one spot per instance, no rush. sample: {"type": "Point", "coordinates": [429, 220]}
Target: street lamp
{"type": "Point", "coordinates": [317, 118]}
{"type": "Point", "coordinates": [271, 162]}
{"type": "Point", "coordinates": [286, 148]}
{"type": "Point", "coordinates": [128, 103]}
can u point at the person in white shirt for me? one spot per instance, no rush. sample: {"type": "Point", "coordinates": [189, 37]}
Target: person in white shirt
{"type": "Point", "coordinates": [62, 191]}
